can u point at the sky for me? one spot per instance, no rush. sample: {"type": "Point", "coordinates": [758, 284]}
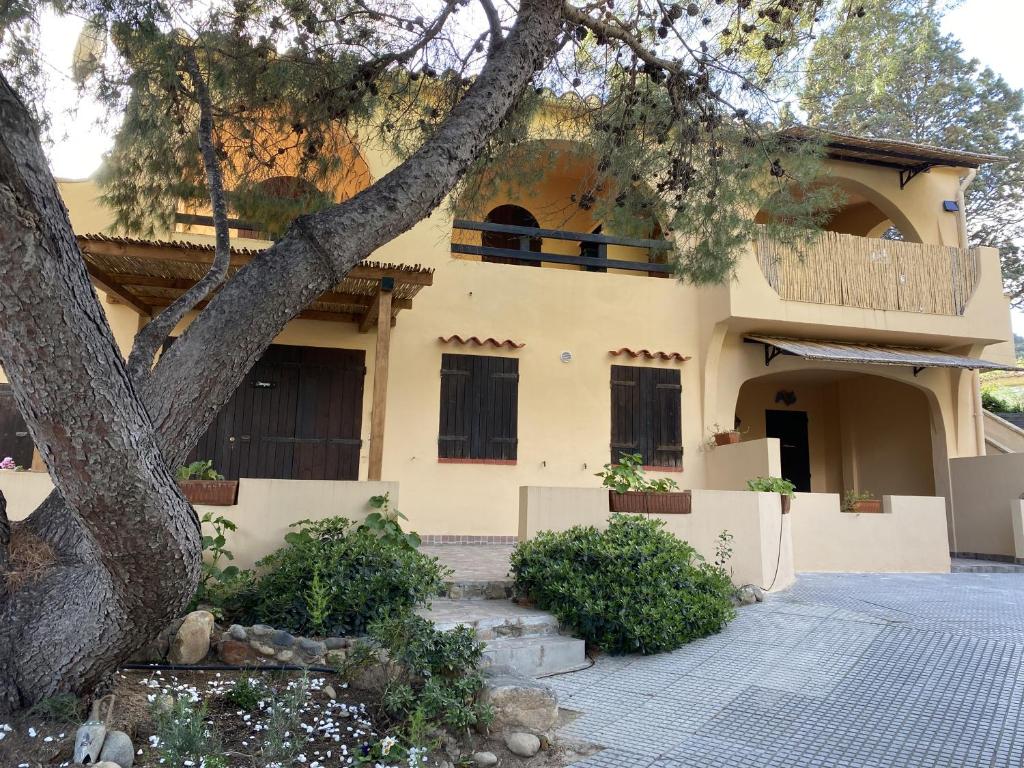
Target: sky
{"type": "Point", "coordinates": [989, 30]}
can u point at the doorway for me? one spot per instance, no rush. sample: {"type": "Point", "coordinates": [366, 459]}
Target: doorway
{"type": "Point", "coordinates": [790, 427]}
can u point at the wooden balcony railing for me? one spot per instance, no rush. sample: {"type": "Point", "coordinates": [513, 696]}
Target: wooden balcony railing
{"type": "Point", "coordinates": [593, 248]}
{"type": "Point", "coordinates": [866, 272]}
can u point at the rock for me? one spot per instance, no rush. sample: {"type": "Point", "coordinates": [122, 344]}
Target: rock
{"type": "Point", "coordinates": [496, 590]}
{"type": "Point", "coordinates": [238, 653]}
{"type": "Point", "coordinates": [522, 744]}
{"type": "Point", "coordinates": [282, 639]}
{"type": "Point", "coordinates": [335, 643]}
{"type": "Point", "coordinates": [285, 656]}
{"type": "Point", "coordinates": [192, 642]}
{"type": "Point", "coordinates": [118, 749]}
{"type": "Point", "coordinates": [329, 692]}
{"type": "Point", "coordinates": [312, 648]}
{"type": "Point", "coordinates": [520, 704]}
{"type": "Point", "coordinates": [263, 649]}
{"type": "Point", "coordinates": [746, 595]}
{"type": "Point", "coordinates": [89, 741]}
{"type": "Point", "coordinates": [105, 764]}
{"type": "Point", "coordinates": [261, 630]}
{"type": "Point", "coordinates": [237, 632]}
{"type": "Point", "coordinates": [484, 759]}
{"type": "Point", "coordinates": [759, 594]}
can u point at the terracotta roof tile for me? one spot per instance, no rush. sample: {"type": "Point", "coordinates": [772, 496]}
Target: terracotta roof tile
{"type": "Point", "coordinates": [649, 354]}
{"type": "Point", "coordinates": [456, 339]}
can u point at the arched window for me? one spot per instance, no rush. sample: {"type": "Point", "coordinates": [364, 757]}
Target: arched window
{"type": "Point", "coordinates": [516, 216]}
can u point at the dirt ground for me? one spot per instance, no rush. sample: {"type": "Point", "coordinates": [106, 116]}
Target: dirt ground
{"type": "Point", "coordinates": [333, 732]}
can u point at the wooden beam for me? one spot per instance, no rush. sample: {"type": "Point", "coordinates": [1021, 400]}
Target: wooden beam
{"type": "Point", "coordinates": [380, 384]}
{"type": "Point", "coordinates": [307, 314]}
{"type": "Point", "coordinates": [111, 287]}
{"type": "Point", "coordinates": [370, 315]}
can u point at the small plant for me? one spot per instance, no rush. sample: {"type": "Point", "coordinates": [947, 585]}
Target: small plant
{"type": "Point", "coordinates": [777, 485]}
{"type": "Point", "coordinates": [318, 599]}
{"type": "Point", "coordinates": [60, 708]}
{"type": "Point", "coordinates": [214, 577]}
{"type": "Point", "coordinates": [184, 737]}
{"type": "Point", "coordinates": [851, 498]}
{"type": "Point", "coordinates": [716, 433]}
{"type": "Point", "coordinates": [433, 677]}
{"type": "Point", "coordinates": [8, 463]}
{"type": "Point", "coordinates": [199, 470]}
{"type": "Point", "coordinates": [283, 736]}
{"type": "Point", "coordinates": [247, 694]}
{"type": "Point", "coordinates": [632, 588]}
{"type": "Point", "coordinates": [723, 549]}
{"type": "Point", "coordinates": [384, 522]}
{"type": "Point", "coordinates": [628, 475]}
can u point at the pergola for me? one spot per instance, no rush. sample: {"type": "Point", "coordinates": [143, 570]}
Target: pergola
{"type": "Point", "coordinates": [148, 275]}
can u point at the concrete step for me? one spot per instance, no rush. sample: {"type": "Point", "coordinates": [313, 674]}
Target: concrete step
{"type": "Point", "coordinates": [985, 566]}
{"type": "Point", "coordinates": [479, 590]}
{"type": "Point", "coordinates": [537, 655]}
{"type": "Point", "coordinates": [525, 640]}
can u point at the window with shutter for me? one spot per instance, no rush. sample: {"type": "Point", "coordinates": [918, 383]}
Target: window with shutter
{"type": "Point", "coordinates": [479, 408]}
{"type": "Point", "coordinates": [647, 415]}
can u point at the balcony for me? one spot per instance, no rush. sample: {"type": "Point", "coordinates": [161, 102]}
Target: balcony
{"type": "Point", "coordinates": [870, 273]}
{"type": "Point", "coordinates": [534, 246]}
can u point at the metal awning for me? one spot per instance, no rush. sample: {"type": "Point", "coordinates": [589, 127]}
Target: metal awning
{"type": "Point", "coordinates": [872, 354]}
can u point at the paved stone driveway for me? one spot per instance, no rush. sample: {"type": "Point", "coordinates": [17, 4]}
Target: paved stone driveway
{"type": "Point", "coordinates": [841, 671]}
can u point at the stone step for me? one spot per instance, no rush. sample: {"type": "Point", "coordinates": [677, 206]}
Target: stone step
{"type": "Point", "coordinates": [985, 566]}
{"type": "Point", "coordinates": [537, 655]}
{"type": "Point", "coordinates": [492, 619]}
{"type": "Point", "coordinates": [461, 589]}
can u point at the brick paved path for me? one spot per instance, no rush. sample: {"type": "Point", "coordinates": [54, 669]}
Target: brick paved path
{"type": "Point", "coordinates": [841, 671]}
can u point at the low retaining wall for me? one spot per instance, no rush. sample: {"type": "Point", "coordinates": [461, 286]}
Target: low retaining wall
{"type": "Point", "coordinates": [263, 514]}
{"type": "Point", "coordinates": [730, 466]}
{"type": "Point", "coordinates": [984, 489]}
{"type": "Point", "coordinates": [909, 535]}
{"type": "Point", "coordinates": [754, 519]}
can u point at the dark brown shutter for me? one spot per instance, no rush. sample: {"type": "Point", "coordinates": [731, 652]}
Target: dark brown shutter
{"type": "Point", "coordinates": [646, 415]}
{"type": "Point", "coordinates": [479, 408]}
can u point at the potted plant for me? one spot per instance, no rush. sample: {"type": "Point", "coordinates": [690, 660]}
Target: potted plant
{"type": "Point", "coordinates": [202, 484]}
{"type": "Point", "coordinates": [722, 436]}
{"type": "Point", "coordinates": [629, 490]}
{"type": "Point", "coordinates": [777, 485]}
{"type": "Point", "coordinates": [861, 501]}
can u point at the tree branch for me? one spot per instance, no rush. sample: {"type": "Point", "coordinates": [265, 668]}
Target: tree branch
{"type": "Point", "coordinates": [494, 21]}
{"type": "Point", "coordinates": [149, 339]}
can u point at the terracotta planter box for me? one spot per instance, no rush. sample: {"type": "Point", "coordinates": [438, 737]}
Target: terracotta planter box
{"type": "Point", "coordinates": [645, 503]}
{"type": "Point", "coordinates": [868, 505]}
{"type": "Point", "coordinates": [727, 438]}
{"type": "Point", "coordinates": [787, 501]}
{"type": "Point", "coordinates": [216, 493]}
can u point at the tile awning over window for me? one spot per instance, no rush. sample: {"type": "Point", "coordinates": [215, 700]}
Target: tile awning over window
{"type": "Point", "coordinates": [872, 354]}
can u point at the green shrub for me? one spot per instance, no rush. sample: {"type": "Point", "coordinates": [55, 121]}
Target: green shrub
{"type": "Point", "coordinates": [628, 475]}
{"type": "Point", "coordinates": [996, 403]}
{"type": "Point", "coordinates": [771, 485]}
{"type": "Point", "coordinates": [334, 577]}
{"type": "Point", "coordinates": [185, 738]}
{"type": "Point", "coordinates": [633, 588]}
{"type": "Point", "coordinates": [433, 678]}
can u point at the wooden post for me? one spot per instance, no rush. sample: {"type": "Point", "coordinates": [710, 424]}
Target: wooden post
{"type": "Point", "coordinates": [380, 379]}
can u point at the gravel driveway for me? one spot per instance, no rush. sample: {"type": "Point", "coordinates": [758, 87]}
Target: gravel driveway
{"type": "Point", "coordinates": [845, 670]}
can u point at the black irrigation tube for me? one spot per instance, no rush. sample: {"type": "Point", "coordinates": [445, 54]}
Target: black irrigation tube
{"type": "Point", "coordinates": [160, 667]}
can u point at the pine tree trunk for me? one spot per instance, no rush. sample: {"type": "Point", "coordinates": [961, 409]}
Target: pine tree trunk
{"type": "Point", "coordinates": [125, 543]}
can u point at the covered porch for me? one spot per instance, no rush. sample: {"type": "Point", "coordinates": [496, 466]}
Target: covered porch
{"type": "Point", "coordinates": [299, 413]}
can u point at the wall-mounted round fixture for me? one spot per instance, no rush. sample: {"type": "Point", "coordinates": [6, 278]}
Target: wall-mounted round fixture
{"type": "Point", "coordinates": [565, 357]}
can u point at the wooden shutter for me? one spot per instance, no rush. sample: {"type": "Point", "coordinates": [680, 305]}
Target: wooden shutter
{"type": "Point", "coordinates": [646, 415]}
{"type": "Point", "coordinates": [479, 408]}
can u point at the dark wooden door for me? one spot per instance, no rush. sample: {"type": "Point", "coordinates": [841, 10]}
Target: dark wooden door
{"type": "Point", "coordinates": [296, 415]}
{"type": "Point", "coordinates": [791, 429]}
{"type": "Point", "coordinates": [14, 439]}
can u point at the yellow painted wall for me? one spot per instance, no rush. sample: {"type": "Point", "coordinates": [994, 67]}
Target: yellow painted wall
{"type": "Point", "coordinates": [564, 408]}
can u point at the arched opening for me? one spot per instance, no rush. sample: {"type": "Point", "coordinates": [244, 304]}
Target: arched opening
{"type": "Point", "coordinates": [516, 216]}
{"type": "Point", "coordinates": [844, 430]}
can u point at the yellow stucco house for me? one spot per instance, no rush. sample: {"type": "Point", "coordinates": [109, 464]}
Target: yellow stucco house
{"type": "Point", "coordinates": [527, 346]}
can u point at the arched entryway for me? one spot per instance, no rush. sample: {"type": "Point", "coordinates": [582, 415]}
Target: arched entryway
{"type": "Point", "coordinates": [845, 430]}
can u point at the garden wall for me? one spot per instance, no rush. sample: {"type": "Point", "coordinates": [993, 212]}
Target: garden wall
{"type": "Point", "coordinates": [754, 519]}
{"type": "Point", "coordinates": [984, 488]}
{"type": "Point", "coordinates": [264, 511]}
{"type": "Point", "coordinates": [730, 466]}
{"type": "Point", "coordinates": [909, 535]}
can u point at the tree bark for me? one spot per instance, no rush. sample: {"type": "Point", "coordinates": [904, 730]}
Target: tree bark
{"type": "Point", "coordinates": [127, 544]}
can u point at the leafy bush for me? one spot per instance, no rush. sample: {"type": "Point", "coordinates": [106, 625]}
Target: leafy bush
{"type": "Point", "coordinates": [771, 485]}
{"type": "Point", "coordinates": [384, 523]}
{"type": "Point", "coordinates": [333, 577]}
{"type": "Point", "coordinates": [628, 475]}
{"type": "Point", "coordinates": [996, 403]}
{"type": "Point", "coordinates": [247, 693]}
{"type": "Point", "coordinates": [433, 676]}
{"type": "Point", "coordinates": [633, 588]}
{"type": "Point", "coordinates": [215, 579]}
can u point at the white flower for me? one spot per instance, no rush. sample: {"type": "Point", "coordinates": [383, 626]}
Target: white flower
{"type": "Point", "coordinates": [386, 744]}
